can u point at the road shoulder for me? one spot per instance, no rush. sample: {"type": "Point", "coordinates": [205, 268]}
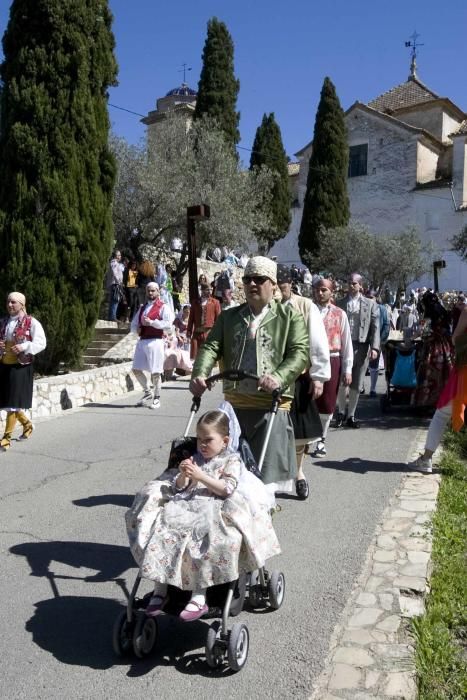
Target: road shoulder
{"type": "Point", "coordinates": [371, 653]}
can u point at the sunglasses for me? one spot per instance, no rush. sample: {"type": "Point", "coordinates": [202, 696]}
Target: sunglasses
{"type": "Point", "coordinates": [257, 279]}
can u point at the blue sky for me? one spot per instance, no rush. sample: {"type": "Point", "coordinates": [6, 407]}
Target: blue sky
{"type": "Point", "coordinates": [283, 51]}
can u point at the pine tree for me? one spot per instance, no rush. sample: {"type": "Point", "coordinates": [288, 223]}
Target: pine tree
{"type": "Point", "coordinates": [268, 151]}
{"type": "Point", "coordinates": [218, 88]}
{"type": "Point", "coordinates": [326, 202]}
{"type": "Point", "coordinates": [57, 172]}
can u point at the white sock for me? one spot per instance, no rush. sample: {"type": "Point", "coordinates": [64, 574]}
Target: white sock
{"type": "Point", "coordinates": [156, 381]}
{"type": "Point", "coordinates": [353, 400]}
{"type": "Point", "coordinates": [141, 377]}
{"type": "Point", "coordinates": [325, 419]}
{"type": "Point", "coordinates": [342, 398]}
{"type": "Point", "coordinates": [198, 597]}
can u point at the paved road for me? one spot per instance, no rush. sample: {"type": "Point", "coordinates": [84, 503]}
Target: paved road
{"type": "Point", "coordinates": [66, 564]}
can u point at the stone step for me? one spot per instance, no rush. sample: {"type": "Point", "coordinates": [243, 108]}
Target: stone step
{"type": "Point", "coordinates": [102, 343]}
{"type": "Point", "coordinates": [96, 352]}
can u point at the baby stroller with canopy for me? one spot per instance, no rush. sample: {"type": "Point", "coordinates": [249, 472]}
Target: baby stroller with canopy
{"type": "Point", "coordinates": [135, 632]}
{"type": "Point", "coordinates": [401, 363]}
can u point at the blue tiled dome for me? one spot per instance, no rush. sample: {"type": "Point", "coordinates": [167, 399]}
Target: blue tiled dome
{"type": "Point", "coordinates": [182, 90]}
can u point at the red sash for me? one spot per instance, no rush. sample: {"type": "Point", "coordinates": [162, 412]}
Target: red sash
{"type": "Point", "coordinates": [154, 314]}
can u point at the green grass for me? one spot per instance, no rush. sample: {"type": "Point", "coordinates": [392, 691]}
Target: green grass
{"type": "Point", "coordinates": [441, 634]}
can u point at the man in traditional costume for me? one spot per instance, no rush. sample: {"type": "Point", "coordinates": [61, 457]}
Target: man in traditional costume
{"type": "Point", "coordinates": [150, 322]}
{"type": "Point", "coordinates": [203, 314]}
{"type": "Point", "coordinates": [268, 339]}
{"type": "Point", "coordinates": [21, 337]}
{"type": "Point", "coordinates": [363, 317]}
{"type": "Point", "coordinates": [309, 385]}
{"type": "Point", "coordinates": [341, 352]}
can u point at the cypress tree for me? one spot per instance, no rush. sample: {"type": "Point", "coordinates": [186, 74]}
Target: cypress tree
{"type": "Point", "coordinates": [218, 88]}
{"type": "Point", "coordinates": [57, 171]}
{"type": "Point", "coordinates": [326, 202]}
{"type": "Point", "coordinates": [268, 150]}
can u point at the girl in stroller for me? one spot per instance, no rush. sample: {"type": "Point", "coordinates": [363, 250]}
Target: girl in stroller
{"type": "Point", "coordinates": [206, 526]}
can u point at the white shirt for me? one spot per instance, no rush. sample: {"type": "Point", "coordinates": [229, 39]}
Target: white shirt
{"type": "Point", "coordinates": [320, 369]}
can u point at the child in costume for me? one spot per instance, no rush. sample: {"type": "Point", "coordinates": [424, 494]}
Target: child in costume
{"type": "Point", "coordinates": [203, 527]}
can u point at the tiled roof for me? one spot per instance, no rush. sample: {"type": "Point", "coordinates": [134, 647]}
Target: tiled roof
{"type": "Point", "coordinates": [407, 94]}
{"type": "Point", "coordinates": [293, 168]}
{"type": "Point", "coordinates": [462, 130]}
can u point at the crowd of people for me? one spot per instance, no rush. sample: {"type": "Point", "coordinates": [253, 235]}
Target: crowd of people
{"type": "Point", "coordinates": [211, 521]}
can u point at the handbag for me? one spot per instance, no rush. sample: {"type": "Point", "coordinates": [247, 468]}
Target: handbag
{"type": "Point", "coordinates": [404, 374]}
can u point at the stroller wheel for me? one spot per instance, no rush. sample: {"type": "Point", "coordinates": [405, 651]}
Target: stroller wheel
{"type": "Point", "coordinates": [276, 589]}
{"type": "Point", "coordinates": [144, 635]}
{"type": "Point", "coordinates": [237, 649]}
{"type": "Point", "coordinates": [214, 650]}
{"type": "Point", "coordinates": [122, 636]}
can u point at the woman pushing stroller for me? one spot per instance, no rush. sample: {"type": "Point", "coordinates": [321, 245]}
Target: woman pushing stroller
{"type": "Point", "coordinates": [207, 525]}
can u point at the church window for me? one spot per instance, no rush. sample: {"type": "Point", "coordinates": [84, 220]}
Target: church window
{"type": "Point", "coordinates": [358, 160]}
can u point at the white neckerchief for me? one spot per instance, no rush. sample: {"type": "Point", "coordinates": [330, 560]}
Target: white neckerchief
{"type": "Point", "coordinates": [255, 321]}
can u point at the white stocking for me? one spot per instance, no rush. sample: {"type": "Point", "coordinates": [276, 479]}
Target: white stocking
{"type": "Point", "coordinates": [156, 381]}
{"type": "Point", "coordinates": [325, 419]}
{"type": "Point", "coordinates": [141, 377]}
{"type": "Point", "coordinates": [353, 400]}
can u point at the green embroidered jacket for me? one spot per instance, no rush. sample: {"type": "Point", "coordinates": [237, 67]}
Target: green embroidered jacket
{"type": "Point", "coordinates": [282, 345]}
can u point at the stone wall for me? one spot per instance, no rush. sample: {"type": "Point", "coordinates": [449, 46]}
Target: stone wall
{"type": "Point", "coordinates": [55, 395]}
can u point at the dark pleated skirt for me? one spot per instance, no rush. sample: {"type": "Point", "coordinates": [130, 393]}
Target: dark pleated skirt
{"type": "Point", "coordinates": [16, 386]}
{"type": "Point", "coordinates": [304, 414]}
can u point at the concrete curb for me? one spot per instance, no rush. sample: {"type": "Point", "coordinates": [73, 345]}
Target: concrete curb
{"type": "Point", "coordinates": [372, 649]}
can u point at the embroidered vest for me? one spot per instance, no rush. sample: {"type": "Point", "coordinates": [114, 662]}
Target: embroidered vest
{"type": "Point", "coordinates": [332, 324]}
{"type": "Point", "coordinates": [21, 334]}
{"type": "Point", "coordinates": [154, 314]}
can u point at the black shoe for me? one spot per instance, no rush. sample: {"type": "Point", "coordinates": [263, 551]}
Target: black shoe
{"type": "Point", "coordinates": [340, 418]}
{"type": "Point", "coordinates": [352, 423]}
{"type": "Point", "coordinates": [302, 489]}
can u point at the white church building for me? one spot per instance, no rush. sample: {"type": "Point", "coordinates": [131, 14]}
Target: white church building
{"type": "Point", "coordinates": [407, 167]}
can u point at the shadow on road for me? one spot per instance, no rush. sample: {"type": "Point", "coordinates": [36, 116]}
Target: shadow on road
{"type": "Point", "coordinates": [109, 405]}
{"type": "Point", "coordinates": [105, 499]}
{"type": "Point", "coordinates": [77, 630]}
{"type": "Point", "coordinates": [110, 561]}
{"type": "Point", "coordinates": [361, 466]}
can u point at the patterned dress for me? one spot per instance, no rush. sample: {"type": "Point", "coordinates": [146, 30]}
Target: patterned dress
{"type": "Point", "coordinates": [193, 539]}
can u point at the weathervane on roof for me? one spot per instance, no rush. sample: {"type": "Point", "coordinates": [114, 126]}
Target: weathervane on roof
{"type": "Point", "coordinates": [414, 46]}
{"type": "Point", "coordinates": [184, 70]}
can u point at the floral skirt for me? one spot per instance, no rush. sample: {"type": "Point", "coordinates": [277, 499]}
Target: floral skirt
{"type": "Point", "coordinates": [197, 543]}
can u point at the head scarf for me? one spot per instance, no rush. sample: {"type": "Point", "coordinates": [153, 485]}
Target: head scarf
{"type": "Point", "coordinates": [262, 267]}
{"type": "Point", "coordinates": [17, 296]}
{"type": "Point", "coordinates": [283, 274]}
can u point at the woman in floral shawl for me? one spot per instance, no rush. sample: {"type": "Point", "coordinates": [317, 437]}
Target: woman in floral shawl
{"type": "Point", "coordinates": [21, 337]}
